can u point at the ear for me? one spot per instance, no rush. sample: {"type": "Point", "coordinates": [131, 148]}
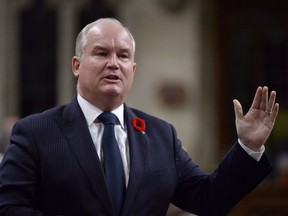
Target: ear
{"type": "Point", "coordinates": [134, 67]}
{"type": "Point", "coordinates": [75, 65]}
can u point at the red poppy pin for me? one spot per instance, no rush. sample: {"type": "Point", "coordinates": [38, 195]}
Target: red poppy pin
{"type": "Point", "coordinates": [139, 124]}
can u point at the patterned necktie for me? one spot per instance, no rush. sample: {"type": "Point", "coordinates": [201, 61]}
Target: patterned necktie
{"type": "Point", "coordinates": [112, 164]}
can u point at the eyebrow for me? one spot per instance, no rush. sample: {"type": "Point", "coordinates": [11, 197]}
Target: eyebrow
{"type": "Point", "coordinates": [100, 47]}
{"type": "Point", "coordinates": [127, 50]}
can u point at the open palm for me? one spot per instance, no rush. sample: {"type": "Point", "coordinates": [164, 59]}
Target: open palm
{"type": "Point", "coordinates": [254, 128]}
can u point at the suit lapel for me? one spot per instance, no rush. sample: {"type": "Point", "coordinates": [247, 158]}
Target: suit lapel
{"type": "Point", "coordinates": [138, 146]}
{"type": "Point", "coordinates": [74, 127]}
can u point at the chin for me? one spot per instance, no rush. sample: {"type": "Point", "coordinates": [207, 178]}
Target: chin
{"type": "Point", "coordinates": [113, 93]}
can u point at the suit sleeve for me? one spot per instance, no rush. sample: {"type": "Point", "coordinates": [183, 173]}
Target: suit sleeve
{"type": "Point", "coordinates": [217, 193]}
{"type": "Point", "coordinates": [19, 172]}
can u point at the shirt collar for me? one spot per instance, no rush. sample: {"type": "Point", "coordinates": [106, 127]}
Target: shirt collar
{"type": "Point", "coordinates": [91, 112]}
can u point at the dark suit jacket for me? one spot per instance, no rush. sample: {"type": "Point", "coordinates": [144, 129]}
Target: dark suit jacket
{"type": "Point", "coordinates": [52, 168]}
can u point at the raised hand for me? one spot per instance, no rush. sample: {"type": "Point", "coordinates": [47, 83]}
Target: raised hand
{"type": "Point", "coordinates": [254, 128]}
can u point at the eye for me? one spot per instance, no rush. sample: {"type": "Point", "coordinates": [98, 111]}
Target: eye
{"type": "Point", "coordinates": [124, 55]}
{"type": "Point", "coordinates": [101, 53]}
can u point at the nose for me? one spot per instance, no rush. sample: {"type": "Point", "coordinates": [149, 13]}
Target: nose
{"type": "Point", "coordinates": [113, 62]}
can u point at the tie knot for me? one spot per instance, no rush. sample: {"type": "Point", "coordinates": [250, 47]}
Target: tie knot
{"type": "Point", "coordinates": [107, 118]}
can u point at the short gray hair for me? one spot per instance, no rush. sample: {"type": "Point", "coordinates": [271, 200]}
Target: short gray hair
{"type": "Point", "coordinates": [81, 40]}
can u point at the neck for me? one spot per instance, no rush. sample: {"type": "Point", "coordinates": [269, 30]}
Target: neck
{"type": "Point", "coordinates": [105, 104]}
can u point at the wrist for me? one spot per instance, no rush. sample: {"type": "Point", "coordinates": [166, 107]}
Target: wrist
{"type": "Point", "coordinates": [253, 147]}
{"type": "Point", "coordinates": [254, 154]}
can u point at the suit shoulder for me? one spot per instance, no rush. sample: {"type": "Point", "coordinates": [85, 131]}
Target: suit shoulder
{"type": "Point", "coordinates": [45, 115]}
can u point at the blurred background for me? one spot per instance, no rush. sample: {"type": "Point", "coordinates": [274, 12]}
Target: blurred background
{"type": "Point", "coordinates": [193, 58]}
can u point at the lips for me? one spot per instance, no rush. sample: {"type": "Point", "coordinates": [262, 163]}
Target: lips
{"type": "Point", "coordinates": [112, 77]}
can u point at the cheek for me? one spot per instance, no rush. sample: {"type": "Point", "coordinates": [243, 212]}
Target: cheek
{"type": "Point", "coordinates": [90, 71]}
{"type": "Point", "coordinates": [129, 82]}
{"type": "Point", "coordinates": [91, 64]}
{"type": "Point", "coordinates": [88, 77]}
{"type": "Point", "coordinates": [129, 79]}
{"type": "Point", "coordinates": [129, 74]}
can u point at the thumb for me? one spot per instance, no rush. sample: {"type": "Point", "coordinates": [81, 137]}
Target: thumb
{"type": "Point", "coordinates": [237, 109]}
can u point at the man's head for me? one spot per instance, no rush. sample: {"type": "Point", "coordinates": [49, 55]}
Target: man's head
{"type": "Point", "coordinates": [104, 63]}
{"type": "Point", "coordinates": [81, 40]}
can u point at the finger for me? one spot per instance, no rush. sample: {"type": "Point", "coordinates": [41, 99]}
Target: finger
{"type": "Point", "coordinates": [274, 112]}
{"type": "Point", "coordinates": [257, 98]}
{"type": "Point", "coordinates": [237, 109]}
{"type": "Point", "coordinates": [264, 98]}
{"type": "Point", "coordinates": [271, 102]}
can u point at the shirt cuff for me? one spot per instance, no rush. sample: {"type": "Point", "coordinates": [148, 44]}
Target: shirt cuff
{"type": "Point", "coordinates": [254, 154]}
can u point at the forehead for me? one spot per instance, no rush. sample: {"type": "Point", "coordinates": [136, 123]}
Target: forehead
{"type": "Point", "coordinates": [109, 35]}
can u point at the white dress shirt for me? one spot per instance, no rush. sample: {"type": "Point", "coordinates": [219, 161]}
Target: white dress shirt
{"type": "Point", "coordinates": [96, 129]}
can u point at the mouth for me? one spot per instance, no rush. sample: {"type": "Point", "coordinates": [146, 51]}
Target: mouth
{"type": "Point", "coordinates": [112, 77]}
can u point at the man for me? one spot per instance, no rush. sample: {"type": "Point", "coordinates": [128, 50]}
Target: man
{"type": "Point", "coordinates": [54, 163]}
